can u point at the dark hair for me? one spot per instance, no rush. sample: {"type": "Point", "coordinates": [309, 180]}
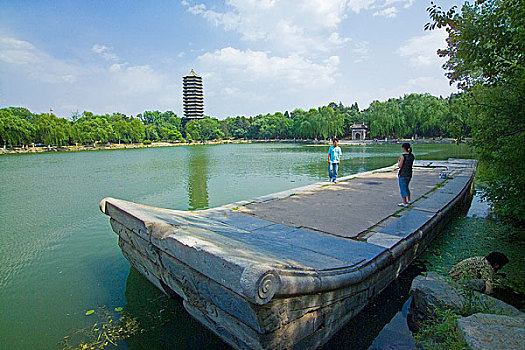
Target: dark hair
{"type": "Point", "coordinates": [335, 139]}
{"type": "Point", "coordinates": [497, 258]}
{"type": "Point", "coordinates": [407, 147]}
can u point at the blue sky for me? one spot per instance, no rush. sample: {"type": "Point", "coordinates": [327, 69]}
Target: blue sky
{"type": "Point", "coordinates": [255, 56]}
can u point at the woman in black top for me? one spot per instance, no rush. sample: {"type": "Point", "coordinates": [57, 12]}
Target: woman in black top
{"type": "Point", "coordinates": [404, 163]}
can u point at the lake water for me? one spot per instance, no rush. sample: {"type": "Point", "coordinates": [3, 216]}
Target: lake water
{"type": "Point", "coordinates": [59, 257]}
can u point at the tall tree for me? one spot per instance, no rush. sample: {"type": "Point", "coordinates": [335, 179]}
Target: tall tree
{"type": "Point", "coordinates": [485, 57]}
{"type": "Point", "coordinates": [14, 131]}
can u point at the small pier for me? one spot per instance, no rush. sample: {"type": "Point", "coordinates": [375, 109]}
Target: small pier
{"type": "Point", "coordinates": [288, 270]}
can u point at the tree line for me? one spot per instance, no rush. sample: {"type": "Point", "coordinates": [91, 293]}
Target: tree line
{"type": "Point", "coordinates": [412, 115]}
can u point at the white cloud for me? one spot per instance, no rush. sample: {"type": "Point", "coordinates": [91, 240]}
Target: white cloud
{"type": "Point", "coordinates": [259, 66]}
{"type": "Point", "coordinates": [197, 9]}
{"type": "Point", "coordinates": [361, 52]}
{"type": "Point", "coordinates": [337, 40]}
{"type": "Point", "coordinates": [250, 82]}
{"type": "Point", "coordinates": [358, 5]}
{"type": "Point", "coordinates": [102, 86]}
{"type": "Point", "coordinates": [24, 56]}
{"type": "Point", "coordinates": [409, 3]}
{"type": "Point", "coordinates": [427, 84]}
{"type": "Point", "coordinates": [131, 80]}
{"type": "Point", "coordinates": [306, 26]}
{"type": "Point", "coordinates": [104, 52]}
{"type": "Point", "coordinates": [327, 13]}
{"type": "Point", "coordinates": [286, 25]}
{"type": "Point", "coordinates": [405, 3]}
{"type": "Point", "coordinates": [422, 50]}
{"type": "Point", "coordinates": [437, 86]}
{"type": "Point", "coordinates": [389, 12]}
{"type": "Point", "coordinates": [17, 52]}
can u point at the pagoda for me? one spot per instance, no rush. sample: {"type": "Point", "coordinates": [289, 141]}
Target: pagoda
{"type": "Point", "coordinates": [193, 98]}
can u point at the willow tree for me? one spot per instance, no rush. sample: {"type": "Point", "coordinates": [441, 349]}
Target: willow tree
{"type": "Point", "coordinates": [14, 131]}
{"type": "Point", "coordinates": [386, 119]}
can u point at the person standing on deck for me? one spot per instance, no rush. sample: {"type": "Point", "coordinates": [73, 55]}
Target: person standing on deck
{"type": "Point", "coordinates": [405, 162]}
{"type": "Point", "coordinates": [334, 156]}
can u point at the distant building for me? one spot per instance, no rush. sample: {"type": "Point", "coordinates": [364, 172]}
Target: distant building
{"type": "Point", "coordinates": [193, 98]}
{"type": "Point", "coordinates": [359, 131]}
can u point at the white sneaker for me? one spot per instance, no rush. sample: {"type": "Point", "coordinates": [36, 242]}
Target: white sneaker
{"type": "Point", "coordinates": [404, 205]}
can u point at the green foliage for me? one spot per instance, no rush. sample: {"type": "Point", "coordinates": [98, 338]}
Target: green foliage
{"type": "Point", "coordinates": [90, 130]}
{"type": "Point", "coordinates": [236, 128]}
{"type": "Point", "coordinates": [161, 126]}
{"type": "Point", "coordinates": [440, 332]}
{"type": "Point", "coordinates": [386, 119]}
{"type": "Point", "coordinates": [412, 115]}
{"type": "Point", "coordinates": [20, 127]}
{"type": "Point", "coordinates": [50, 130]}
{"type": "Point", "coordinates": [457, 117]}
{"type": "Point", "coordinates": [415, 114]}
{"type": "Point", "coordinates": [203, 129]}
{"type": "Point", "coordinates": [486, 41]}
{"type": "Point", "coordinates": [270, 126]}
{"type": "Point", "coordinates": [477, 303]}
{"type": "Point", "coordinates": [319, 123]}
{"type": "Point", "coordinates": [14, 131]}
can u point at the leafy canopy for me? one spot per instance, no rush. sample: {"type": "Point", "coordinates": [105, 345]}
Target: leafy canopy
{"type": "Point", "coordinates": [486, 57]}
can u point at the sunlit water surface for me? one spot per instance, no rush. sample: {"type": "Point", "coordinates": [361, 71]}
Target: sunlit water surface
{"type": "Point", "coordinates": [59, 257]}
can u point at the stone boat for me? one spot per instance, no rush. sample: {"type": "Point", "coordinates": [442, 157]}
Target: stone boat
{"type": "Point", "coordinates": [288, 270]}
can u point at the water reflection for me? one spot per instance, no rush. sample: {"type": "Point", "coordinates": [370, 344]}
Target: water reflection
{"type": "Point", "coordinates": [163, 321]}
{"type": "Point", "coordinates": [198, 163]}
{"type": "Point", "coordinates": [382, 324]}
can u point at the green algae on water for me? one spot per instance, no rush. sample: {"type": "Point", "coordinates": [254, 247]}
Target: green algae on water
{"type": "Point", "coordinates": [466, 237]}
{"type": "Point", "coordinates": [103, 333]}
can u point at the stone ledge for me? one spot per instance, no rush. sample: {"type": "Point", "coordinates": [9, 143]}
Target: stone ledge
{"type": "Point", "coordinates": [492, 332]}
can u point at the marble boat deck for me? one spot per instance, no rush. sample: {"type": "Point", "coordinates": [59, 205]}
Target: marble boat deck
{"type": "Point", "coordinates": [288, 270]}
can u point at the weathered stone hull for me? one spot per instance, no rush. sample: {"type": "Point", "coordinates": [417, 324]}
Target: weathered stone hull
{"type": "Point", "coordinates": [279, 297]}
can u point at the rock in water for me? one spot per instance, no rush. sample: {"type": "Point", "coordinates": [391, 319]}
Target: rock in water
{"type": "Point", "coordinates": [431, 291]}
{"type": "Point", "coordinates": [493, 332]}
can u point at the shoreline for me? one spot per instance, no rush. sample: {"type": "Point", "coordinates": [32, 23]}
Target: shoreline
{"type": "Point", "coordinates": [116, 146]}
{"type": "Point", "coordinates": [110, 146]}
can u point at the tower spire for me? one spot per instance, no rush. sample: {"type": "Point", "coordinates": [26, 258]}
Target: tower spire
{"type": "Point", "coordinates": [192, 96]}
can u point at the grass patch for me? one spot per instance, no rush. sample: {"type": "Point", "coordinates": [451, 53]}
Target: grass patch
{"type": "Point", "coordinates": [437, 187]}
{"type": "Point", "coordinates": [398, 212]}
{"type": "Point", "coordinates": [440, 332]}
